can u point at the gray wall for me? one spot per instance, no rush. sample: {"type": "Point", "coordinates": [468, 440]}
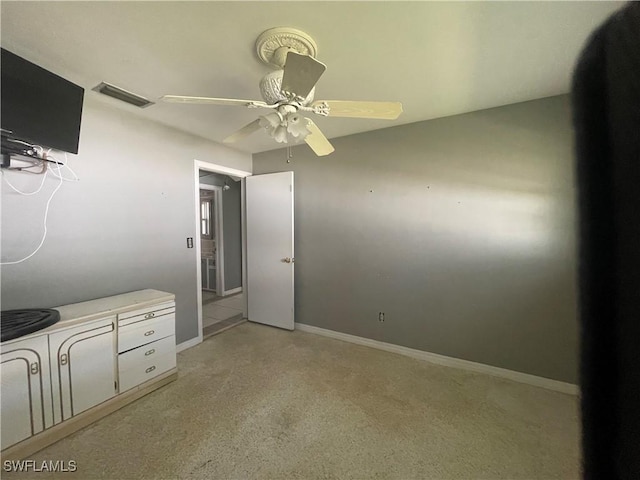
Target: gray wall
{"type": "Point", "coordinates": [460, 229]}
{"type": "Point", "coordinates": [122, 227]}
{"type": "Point", "coordinates": [232, 220]}
{"type": "Point", "coordinates": [232, 214]}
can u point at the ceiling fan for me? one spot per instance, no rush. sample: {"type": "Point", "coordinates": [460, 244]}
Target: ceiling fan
{"type": "Point", "coordinates": [288, 92]}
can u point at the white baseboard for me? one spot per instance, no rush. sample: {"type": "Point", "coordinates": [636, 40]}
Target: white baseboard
{"type": "Point", "coordinates": [443, 360]}
{"type": "Point", "coordinates": [233, 291]}
{"type": "Point", "coordinates": [188, 344]}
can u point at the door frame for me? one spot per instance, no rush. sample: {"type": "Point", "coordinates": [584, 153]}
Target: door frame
{"type": "Point", "coordinates": [218, 226]}
{"type": "Point", "coordinates": [215, 168]}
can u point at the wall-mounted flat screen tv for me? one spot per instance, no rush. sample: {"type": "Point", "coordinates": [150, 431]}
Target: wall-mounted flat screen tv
{"type": "Point", "coordinates": [38, 106]}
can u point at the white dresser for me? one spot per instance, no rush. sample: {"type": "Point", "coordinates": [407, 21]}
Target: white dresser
{"type": "Point", "coordinates": [146, 344]}
{"type": "Point", "coordinates": [101, 355]}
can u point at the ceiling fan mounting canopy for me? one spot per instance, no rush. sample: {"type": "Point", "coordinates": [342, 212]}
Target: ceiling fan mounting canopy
{"type": "Point", "coordinates": [289, 91]}
{"type": "Point", "coordinates": [273, 45]}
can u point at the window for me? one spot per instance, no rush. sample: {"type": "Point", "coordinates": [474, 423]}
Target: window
{"type": "Point", "coordinates": [205, 218]}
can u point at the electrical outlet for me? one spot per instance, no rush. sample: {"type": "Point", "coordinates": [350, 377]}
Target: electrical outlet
{"type": "Point", "coordinates": [381, 317]}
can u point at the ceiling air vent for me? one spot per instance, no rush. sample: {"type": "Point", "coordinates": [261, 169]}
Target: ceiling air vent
{"type": "Point", "coordinates": [121, 94]}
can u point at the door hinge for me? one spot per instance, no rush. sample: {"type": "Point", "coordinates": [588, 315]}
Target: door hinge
{"type": "Point", "coordinates": [115, 385]}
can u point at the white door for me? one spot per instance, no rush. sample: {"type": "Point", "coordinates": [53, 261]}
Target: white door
{"type": "Point", "coordinates": [83, 367]}
{"type": "Point", "coordinates": [269, 204]}
{"type": "Point", "coordinates": [26, 391]}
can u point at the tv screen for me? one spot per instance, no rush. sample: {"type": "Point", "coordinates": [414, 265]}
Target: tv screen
{"type": "Point", "coordinates": [38, 106]}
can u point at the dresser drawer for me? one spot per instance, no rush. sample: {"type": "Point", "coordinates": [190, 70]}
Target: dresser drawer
{"type": "Point", "coordinates": [146, 353]}
{"type": "Point", "coordinates": [148, 313]}
{"type": "Point", "coordinates": [142, 371]}
{"type": "Point", "coordinates": [144, 332]}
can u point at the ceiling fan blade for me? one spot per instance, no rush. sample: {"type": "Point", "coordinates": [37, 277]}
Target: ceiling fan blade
{"type": "Point", "coordinates": [357, 109]}
{"type": "Point", "coordinates": [243, 132]}
{"type": "Point", "coordinates": [317, 141]}
{"type": "Point", "coordinates": [213, 101]}
{"type": "Point", "coordinates": [301, 73]}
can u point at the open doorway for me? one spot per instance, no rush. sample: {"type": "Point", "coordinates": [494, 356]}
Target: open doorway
{"type": "Point", "coordinates": [220, 251]}
{"type": "Point", "coordinates": [203, 168]}
{"type": "Point", "coordinates": [267, 207]}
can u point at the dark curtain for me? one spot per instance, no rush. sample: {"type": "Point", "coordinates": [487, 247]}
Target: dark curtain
{"type": "Point", "coordinates": [606, 103]}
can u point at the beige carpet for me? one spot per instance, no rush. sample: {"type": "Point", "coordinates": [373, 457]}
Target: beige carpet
{"type": "Point", "coordinates": [258, 402]}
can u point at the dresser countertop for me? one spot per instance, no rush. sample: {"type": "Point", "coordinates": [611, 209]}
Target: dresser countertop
{"type": "Point", "coordinates": [77, 313]}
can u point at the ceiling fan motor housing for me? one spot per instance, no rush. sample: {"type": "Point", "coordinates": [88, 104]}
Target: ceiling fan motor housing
{"type": "Point", "coordinates": [271, 85]}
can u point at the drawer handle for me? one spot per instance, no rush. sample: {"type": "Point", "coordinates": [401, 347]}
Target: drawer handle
{"type": "Point", "coordinates": [150, 315]}
{"type": "Point", "coordinates": [35, 368]}
{"type": "Point", "coordinates": [150, 352]}
{"type": "Point", "coordinates": [64, 359]}
{"type": "Point", "coordinates": [150, 369]}
{"type": "Point", "coordinates": [150, 332]}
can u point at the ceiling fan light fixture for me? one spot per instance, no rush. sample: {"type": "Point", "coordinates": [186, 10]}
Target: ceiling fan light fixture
{"type": "Point", "coordinates": [271, 120]}
{"type": "Point", "coordinates": [280, 134]}
{"type": "Point", "coordinates": [280, 126]}
{"type": "Point", "coordinates": [297, 126]}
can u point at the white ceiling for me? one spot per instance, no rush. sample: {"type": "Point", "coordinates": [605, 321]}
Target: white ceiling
{"type": "Point", "coordinates": [438, 59]}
